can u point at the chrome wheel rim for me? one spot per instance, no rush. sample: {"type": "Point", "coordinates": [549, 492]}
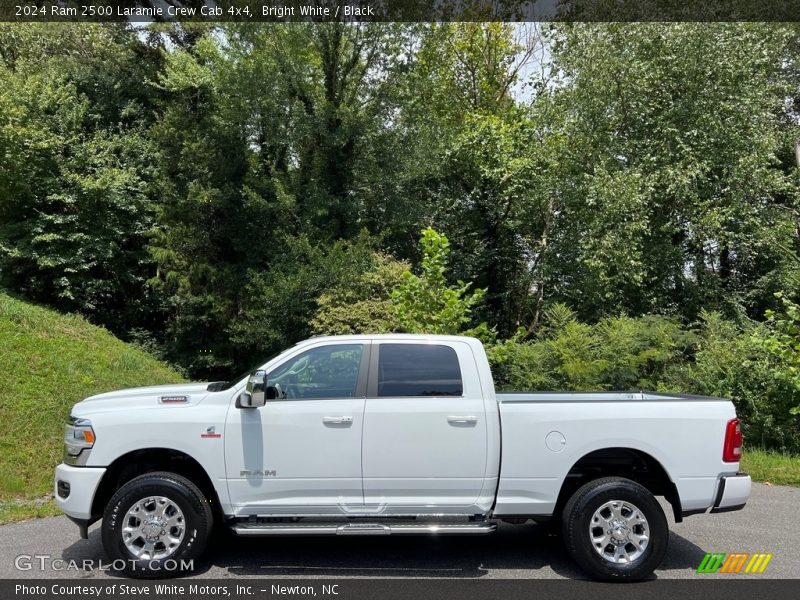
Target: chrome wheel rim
{"type": "Point", "coordinates": [619, 532]}
{"type": "Point", "coordinates": [153, 528]}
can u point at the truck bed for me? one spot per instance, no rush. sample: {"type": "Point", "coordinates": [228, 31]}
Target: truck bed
{"type": "Point", "coordinates": [545, 434]}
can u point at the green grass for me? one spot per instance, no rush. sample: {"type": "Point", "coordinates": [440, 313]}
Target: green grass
{"type": "Point", "coordinates": [49, 361]}
{"type": "Point", "coordinates": [27, 508]}
{"type": "Point", "coordinates": [772, 467]}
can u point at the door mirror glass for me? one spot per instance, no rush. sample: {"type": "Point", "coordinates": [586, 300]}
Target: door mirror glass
{"type": "Point", "coordinates": [254, 394]}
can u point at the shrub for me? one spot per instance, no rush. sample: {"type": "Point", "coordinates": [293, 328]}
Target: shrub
{"type": "Point", "coordinates": [425, 303]}
{"type": "Point", "coordinates": [363, 305]}
{"type": "Point", "coordinates": [389, 297]}
{"type": "Point", "coordinates": [739, 362]}
{"type": "Point", "coordinates": [622, 353]}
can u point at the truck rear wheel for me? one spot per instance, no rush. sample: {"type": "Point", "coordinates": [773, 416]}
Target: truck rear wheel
{"type": "Point", "coordinates": [615, 529]}
{"type": "Point", "coordinates": [156, 525]}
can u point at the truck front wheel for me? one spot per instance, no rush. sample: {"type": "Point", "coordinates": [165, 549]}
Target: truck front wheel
{"type": "Point", "coordinates": [615, 529]}
{"type": "Point", "coordinates": [156, 525]}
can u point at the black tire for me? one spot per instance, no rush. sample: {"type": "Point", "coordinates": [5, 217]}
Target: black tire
{"type": "Point", "coordinates": [579, 512]}
{"type": "Point", "coordinates": [197, 520]}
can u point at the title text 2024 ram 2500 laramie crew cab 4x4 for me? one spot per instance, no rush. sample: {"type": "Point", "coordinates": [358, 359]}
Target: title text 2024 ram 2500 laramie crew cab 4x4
{"type": "Point", "coordinates": [394, 434]}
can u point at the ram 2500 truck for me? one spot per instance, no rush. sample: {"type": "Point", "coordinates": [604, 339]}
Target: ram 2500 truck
{"type": "Point", "coordinates": [392, 435]}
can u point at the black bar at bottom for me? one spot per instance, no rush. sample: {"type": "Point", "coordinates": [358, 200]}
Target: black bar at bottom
{"type": "Point", "coordinates": [714, 587]}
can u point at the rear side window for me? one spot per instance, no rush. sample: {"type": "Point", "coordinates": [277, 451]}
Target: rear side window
{"type": "Point", "coordinates": [418, 370]}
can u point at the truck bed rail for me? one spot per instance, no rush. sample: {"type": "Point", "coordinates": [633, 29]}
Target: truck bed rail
{"type": "Point", "coordinates": [642, 396]}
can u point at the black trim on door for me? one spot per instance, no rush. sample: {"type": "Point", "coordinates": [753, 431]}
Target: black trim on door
{"type": "Point", "coordinates": [372, 385]}
{"type": "Point", "coordinates": [364, 369]}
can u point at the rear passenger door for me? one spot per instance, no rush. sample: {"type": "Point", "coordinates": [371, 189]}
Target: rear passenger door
{"type": "Point", "coordinates": [425, 435]}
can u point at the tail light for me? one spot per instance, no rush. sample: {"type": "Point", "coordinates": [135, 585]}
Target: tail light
{"type": "Point", "coordinates": [732, 450]}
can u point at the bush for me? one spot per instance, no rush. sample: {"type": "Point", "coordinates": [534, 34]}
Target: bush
{"type": "Point", "coordinates": [618, 353]}
{"type": "Point", "coordinates": [426, 303]}
{"type": "Point", "coordinates": [739, 363]}
{"type": "Point", "coordinates": [757, 366]}
{"type": "Point", "coordinates": [389, 297]}
{"type": "Point", "coordinates": [751, 364]}
{"type": "Point", "coordinates": [782, 342]}
{"type": "Point", "coordinates": [363, 305]}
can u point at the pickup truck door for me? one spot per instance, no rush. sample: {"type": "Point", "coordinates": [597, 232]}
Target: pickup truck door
{"type": "Point", "coordinates": [301, 452]}
{"type": "Point", "coordinates": [425, 429]}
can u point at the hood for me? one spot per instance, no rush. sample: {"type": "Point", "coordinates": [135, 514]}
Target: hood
{"type": "Point", "coordinates": [181, 394]}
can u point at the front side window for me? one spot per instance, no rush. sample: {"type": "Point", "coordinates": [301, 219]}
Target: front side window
{"type": "Point", "coordinates": [324, 372]}
{"type": "Point", "coordinates": [418, 370]}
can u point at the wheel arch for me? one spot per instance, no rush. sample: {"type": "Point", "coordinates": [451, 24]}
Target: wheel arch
{"type": "Point", "coordinates": [149, 460]}
{"type": "Point", "coordinates": [630, 463]}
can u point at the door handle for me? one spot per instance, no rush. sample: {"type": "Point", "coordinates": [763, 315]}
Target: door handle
{"type": "Point", "coordinates": [468, 419]}
{"type": "Point", "coordinates": [337, 420]}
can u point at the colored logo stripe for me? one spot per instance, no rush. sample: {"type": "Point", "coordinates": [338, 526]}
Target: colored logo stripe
{"type": "Point", "coordinates": [737, 562]}
{"type": "Point", "coordinates": [734, 562]}
{"type": "Point", "coordinates": [711, 563]}
{"type": "Point", "coordinates": [758, 563]}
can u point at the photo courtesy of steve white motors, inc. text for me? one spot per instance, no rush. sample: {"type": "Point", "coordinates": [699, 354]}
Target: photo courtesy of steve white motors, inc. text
{"type": "Point", "coordinates": [162, 590]}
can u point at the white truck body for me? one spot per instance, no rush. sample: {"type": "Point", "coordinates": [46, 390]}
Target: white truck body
{"type": "Point", "coordinates": [387, 447]}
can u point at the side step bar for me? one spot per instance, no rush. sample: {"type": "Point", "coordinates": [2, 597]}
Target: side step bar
{"type": "Point", "coordinates": [255, 530]}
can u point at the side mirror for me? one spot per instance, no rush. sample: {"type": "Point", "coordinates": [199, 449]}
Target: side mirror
{"type": "Point", "coordinates": [254, 394]}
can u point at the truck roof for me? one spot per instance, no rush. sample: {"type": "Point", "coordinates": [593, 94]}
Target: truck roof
{"type": "Point", "coordinates": [421, 337]}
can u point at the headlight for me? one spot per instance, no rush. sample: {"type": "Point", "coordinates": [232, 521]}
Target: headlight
{"type": "Point", "coordinates": [78, 436]}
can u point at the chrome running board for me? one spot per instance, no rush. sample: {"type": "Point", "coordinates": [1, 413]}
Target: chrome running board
{"type": "Point", "coordinates": [258, 530]}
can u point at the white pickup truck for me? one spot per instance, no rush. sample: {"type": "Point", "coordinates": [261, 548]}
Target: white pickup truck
{"type": "Point", "coordinates": [392, 435]}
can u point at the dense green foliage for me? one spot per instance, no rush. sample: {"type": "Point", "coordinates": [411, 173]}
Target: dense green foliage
{"type": "Point", "coordinates": [618, 353]}
{"type": "Point", "coordinates": [391, 298]}
{"type": "Point", "coordinates": [50, 361]}
{"type": "Point", "coordinates": [616, 204]}
{"type": "Point", "coordinates": [740, 363]}
{"type": "Point", "coordinates": [685, 194]}
{"type": "Point", "coordinates": [711, 357]}
{"type": "Point", "coordinates": [364, 304]}
{"type": "Point", "coordinates": [76, 208]}
{"type": "Point", "coordinates": [425, 303]}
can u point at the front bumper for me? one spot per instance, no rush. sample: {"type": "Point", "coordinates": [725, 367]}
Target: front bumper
{"type": "Point", "coordinates": [732, 493]}
{"type": "Point", "coordinates": [74, 490]}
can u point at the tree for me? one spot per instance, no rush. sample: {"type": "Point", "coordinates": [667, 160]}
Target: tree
{"type": "Point", "coordinates": [781, 340]}
{"type": "Point", "coordinates": [212, 225]}
{"type": "Point", "coordinates": [75, 209]}
{"type": "Point", "coordinates": [318, 100]}
{"type": "Point", "coordinates": [426, 303]}
{"type": "Point", "coordinates": [278, 303]}
{"type": "Point", "coordinates": [262, 138]}
{"type": "Point", "coordinates": [389, 297]}
{"type": "Point", "coordinates": [681, 195]}
{"type": "Point", "coordinates": [363, 305]}
{"type": "Point", "coordinates": [469, 166]}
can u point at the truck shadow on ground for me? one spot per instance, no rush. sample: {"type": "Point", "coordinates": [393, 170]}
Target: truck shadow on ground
{"type": "Point", "coordinates": [514, 550]}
